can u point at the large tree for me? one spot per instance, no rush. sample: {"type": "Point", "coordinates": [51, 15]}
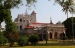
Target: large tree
{"type": "Point", "coordinates": [69, 32]}
{"type": "Point", "coordinates": [7, 5]}
{"type": "Point", "coordinates": [68, 7]}
{"type": "Point", "coordinates": [5, 15]}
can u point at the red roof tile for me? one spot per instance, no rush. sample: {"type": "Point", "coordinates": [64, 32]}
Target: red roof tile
{"type": "Point", "coordinates": [30, 27]}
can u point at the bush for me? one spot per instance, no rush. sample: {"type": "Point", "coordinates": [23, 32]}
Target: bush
{"type": "Point", "coordinates": [23, 40]}
{"type": "Point", "coordinates": [33, 39]}
{"type": "Point", "coordinates": [3, 40]}
{"type": "Point", "coordinates": [63, 36]}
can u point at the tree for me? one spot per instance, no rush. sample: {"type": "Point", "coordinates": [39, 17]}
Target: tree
{"type": "Point", "coordinates": [6, 5]}
{"type": "Point", "coordinates": [11, 32]}
{"type": "Point", "coordinates": [45, 36]}
{"type": "Point", "coordinates": [5, 15]}
{"type": "Point", "coordinates": [3, 40]}
{"type": "Point", "coordinates": [72, 12]}
{"type": "Point", "coordinates": [69, 29]}
{"type": "Point", "coordinates": [12, 37]}
{"type": "Point", "coordinates": [33, 39]}
{"type": "Point", "coordinates": [61, 2]}
{"type": "Point", "coordinates": [67, 7]}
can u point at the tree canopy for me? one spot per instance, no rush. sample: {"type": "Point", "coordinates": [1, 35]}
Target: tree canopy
{"type": "Point", "coordinates": [69, 32]}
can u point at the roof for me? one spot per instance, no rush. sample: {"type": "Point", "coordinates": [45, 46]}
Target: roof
{"type": "Point", "coordinates": [33, 12]}
{"type": "Point", "coordinates": [30, 27]}
{"type": "Point", "coordinates": [39, 23]}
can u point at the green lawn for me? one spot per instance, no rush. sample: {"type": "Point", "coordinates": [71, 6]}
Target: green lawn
{"type": "Point", "coordinates": [40, 47]}
{"type": "Point", "coordinates": [42, 44]}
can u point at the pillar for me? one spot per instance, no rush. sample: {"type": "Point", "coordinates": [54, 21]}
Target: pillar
{"type": "Point", "coordinates": [48, 35]}
{"type": "Point", "coordinates": [53, 35]}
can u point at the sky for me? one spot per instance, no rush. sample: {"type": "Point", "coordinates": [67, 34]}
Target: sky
{"type": "Point", "coordinates": [44, 10]}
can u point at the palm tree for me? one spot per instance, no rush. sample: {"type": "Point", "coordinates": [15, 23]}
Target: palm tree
{"type": "Point", "coordinates": [67, 6]}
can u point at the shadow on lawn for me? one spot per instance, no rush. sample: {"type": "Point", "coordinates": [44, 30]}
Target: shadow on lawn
{"type": "Point", "coordinates": [43, 44]}
{"type": "Point", "coordinates": [56, 44]}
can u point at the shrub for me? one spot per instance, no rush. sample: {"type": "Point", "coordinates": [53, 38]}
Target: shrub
{"type": "Point", "coordinates": [12, 37]}
{"type": "Point", "coordinates": [23, 40]}
{"type": "Point", "coordinates": [63, 36]}
{"type": "Point", "coordinates": [33, 39]}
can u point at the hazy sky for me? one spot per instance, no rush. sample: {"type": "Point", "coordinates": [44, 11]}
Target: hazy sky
{"type": "Point", "coordinates": [44, 9]}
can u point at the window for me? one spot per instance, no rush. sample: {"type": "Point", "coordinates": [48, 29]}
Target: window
{"type": "Point", "coordinates": [20, 20]}
{"type": "Point", "coordinates": [24, 21]}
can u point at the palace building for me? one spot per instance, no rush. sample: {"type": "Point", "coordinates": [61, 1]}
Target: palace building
{"type": "Point", "coordinates": [26, 23]}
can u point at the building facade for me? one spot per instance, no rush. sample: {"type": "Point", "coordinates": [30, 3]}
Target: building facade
{"type": "Point", "coordinates": [23, 20]}
{"type": "Point", "coordinates": [50, 30]}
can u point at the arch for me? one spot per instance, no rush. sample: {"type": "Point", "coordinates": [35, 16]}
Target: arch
{"type": "Point", "coordinates": [55, 35]}
{"type": "Point", "coordinates": [20, 27]}
{"type": "Point", "coordinates": [45, 34]}
{"type": "Point", "coordinates": [50, 35]}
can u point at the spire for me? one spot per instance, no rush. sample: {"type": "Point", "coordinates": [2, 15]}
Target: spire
{"type": "Point", "coordinates": [51, 21]}
{"type": "Point", "coordinates": [26, 13]}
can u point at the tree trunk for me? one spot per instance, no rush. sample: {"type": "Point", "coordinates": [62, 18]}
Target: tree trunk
{"type": "Point", "coordinates": [72, 27]}
{"type": "Point", "coordinates": [67, 14]}
{"type": "Point", "coordinates": [68, 25]}
{"type": "Point", "coordinates": [0, 26]}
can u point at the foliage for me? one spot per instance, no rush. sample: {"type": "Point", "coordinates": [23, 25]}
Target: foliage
{"type": "Point", "coordinates": [23, 40]}
{"type": "Point", "coordinates": [61, 2]}
{"type": "Point", "coordinates": [33, 39]}
{"type": "Point", "coordinates": [5, 15]}
{"type": "Point", "coordinates": [68, 6]}
{"type": "Point", "coordinates": [3, 40]}
{"type": "Point", "coordinates": [11, 32]}
{"type": "Point", "coordinates": [45, 36]}
{"type": "Point", "coordinates": [31, 2]}
{"type": "Point", "coordinates": [69, 28]}
{"type": "Point", "coordinates": [11, 27]}
{"type": "Point", "coordinates": [6, 5]}
{"type": "Point", "coordinates": [12, 37]}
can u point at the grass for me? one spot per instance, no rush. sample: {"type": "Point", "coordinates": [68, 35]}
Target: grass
{"type": "Point", "coordinates": [43, 45]}
{"type": "Point", "coordinates": [40, 47]}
